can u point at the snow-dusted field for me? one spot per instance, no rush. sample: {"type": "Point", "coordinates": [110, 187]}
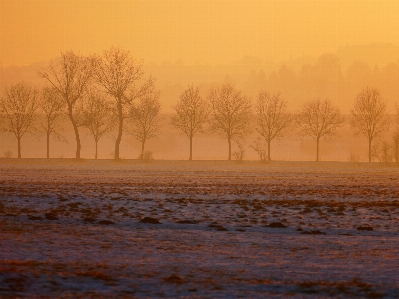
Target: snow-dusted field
{"type": "Point", "coordinates": [226, 230]}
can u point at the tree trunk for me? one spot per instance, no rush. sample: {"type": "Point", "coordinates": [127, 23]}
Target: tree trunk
{"type": "Point", "coordinates": [142, 150]}
{"type": "Point", "coordinates": [78, 146]}
{"type": "Point", "coordinates": [229, 140]}
{"type": "Point", "coordinates": [75, 128]}
{"type": "Point", "coordinates": [48, 145]}
{"type": "Point", "coordinates": [268, 151]}
{"type": "Point", "coordinates": [95, 157]}
{"type": "Point", "coordinates": [191, 148]}
{"type": "Point", "coordinates": [317, 149]}
{"type": "Point", "coordinates": [119, 137]}
{"type": "Point", "coordinates": [369, 149]}
{"type": "Point", "coordinates": [19, 147]}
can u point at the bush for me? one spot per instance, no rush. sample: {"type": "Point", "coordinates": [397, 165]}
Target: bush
{"type": "Point", "coordinates": [8, 154]}
{"type": "Point", "coordinates": [240, 151]}
{"type": "Point", "coordinates": [354, 158]}
{"type": "Point", "coordinates": [147, 156]}
{"type": "Point", "coordinates": [260, 147]}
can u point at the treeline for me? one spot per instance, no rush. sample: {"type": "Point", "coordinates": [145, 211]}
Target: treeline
{"type": "Point", "coordinates": [111, 92]}
{"type": "Point", "coordinates": [328, 76]}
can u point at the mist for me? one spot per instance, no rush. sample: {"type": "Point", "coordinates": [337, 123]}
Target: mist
{"type": "Point", "coordinates": [338, 77]}
{"type": "Point", "coordinates": [199, 149]}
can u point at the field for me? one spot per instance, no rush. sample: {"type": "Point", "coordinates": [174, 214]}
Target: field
{"type": "Point", "coordinates": [206, 229]}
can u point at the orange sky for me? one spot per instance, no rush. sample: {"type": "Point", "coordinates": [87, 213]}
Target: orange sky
{"type": "Point", "coordinates": [195, 31]}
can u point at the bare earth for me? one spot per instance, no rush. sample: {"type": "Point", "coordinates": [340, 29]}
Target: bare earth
{"type": "Point", "coordinates": [73, 229]}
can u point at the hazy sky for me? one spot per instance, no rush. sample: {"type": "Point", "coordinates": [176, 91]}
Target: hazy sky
{"type": "Point", "coordinates": [196, 31]}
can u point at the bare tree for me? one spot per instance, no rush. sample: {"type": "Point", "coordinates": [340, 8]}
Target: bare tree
{"type": "Point", "coordinates": [369, 117]}
{"type": "Point", "coordinates": [319, 119]}
{"type": "Point", "coordinates": [191, 114]}
{"type": "Point", "coordinates": [97, 116]}
{"type": "Point", "coordinates": [18, 106]}
{"type": "Point", "coordinates": [117, 72]}
{"type": "Point", "coordinates": [52, 105]}
{"type": "Point", "coordinates": [231, 113]}
{"type": "Point", "coordinates": [272, 117]}
{"type": "Point", "coordinates": [70, 77]}
{"type": "Point", "coordinates": [144, 117]}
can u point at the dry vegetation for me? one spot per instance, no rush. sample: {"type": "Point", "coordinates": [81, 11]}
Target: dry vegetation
{"type": "Point", "coordinates": [199, 229]}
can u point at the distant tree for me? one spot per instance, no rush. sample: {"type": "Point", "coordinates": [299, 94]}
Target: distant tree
{"type": "Point", "coordinates": [97, 116]}
{"type": "Point", "coordinates": [191, 113]}
{"type": "Point", "coordinates": [117, 72]}
{"type": "Point", "coordinates": [231, 113]}
{"type": "Point", "coordinates": [18, 106]}
{"type": "Point", "coordinates": [369, 117]}
{"type": "Point", "coordinates": [70, 77]}
{"type": "Point", "coordinates": [52, 104]}
{"type": "Point", "coordinates": [328, 74]}
{"type": "Point", "coordinates": [272, 117]}
{"type": "Point", "coordinates": [319, 119]}
{"type": "Point", "coordinates": [322, 78]}
{"type": "Point", "coordinates": [358, 74]}
{"type": "Point", "coordinates": [144, 117]}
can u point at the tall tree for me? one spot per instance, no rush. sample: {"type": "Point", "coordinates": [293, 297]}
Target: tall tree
{"type": "Point", "coordinates": [117, 72]}
{"type": "Point", "coordinates": [369, 117]}
{"type": "Point", "coordinates": [231, 113]}
{"type": "Point", "coordinates": [52, 104]}
{"type": "Point", "coordinates": [272, 117]}
{"type": "Point", "coordinates": [18, 106]}
{"type": "Point", "coordinates": [144, 117]}
{"type": "Point", "coordinates": [70, 77]}
{"type": "Point", "coordinates": [97, 116]}
{"type": "Point", "coordinates": [191, 113]}
{"type": "Point", "coordinates": [319, 119]}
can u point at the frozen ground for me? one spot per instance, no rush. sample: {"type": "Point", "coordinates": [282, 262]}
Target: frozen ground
{"type": "Point", "coordinates": [74, 229]}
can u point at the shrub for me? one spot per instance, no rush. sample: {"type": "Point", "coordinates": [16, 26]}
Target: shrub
{"type": "Point", "coordinates": [8, 154]}
{"type": "Point", "coordinates": [147, 156]}
{"type": "Point", "coordinates": [240, 151]}
{"type": "Point", "coordinates": [354, 158]}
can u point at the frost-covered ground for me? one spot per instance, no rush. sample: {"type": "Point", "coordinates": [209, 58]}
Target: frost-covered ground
{"type": "Point", "coordinates": [226, 230]}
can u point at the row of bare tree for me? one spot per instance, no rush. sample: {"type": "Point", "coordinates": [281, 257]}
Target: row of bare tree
{"type": "Point", "coordinates": [80, 88]}
{"type": "Point", "coordinates": [27, 109]}
{"type": "Point", "coordinates": [229, 113]}
{"type": "Point", "coordinates": [103, 92]}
